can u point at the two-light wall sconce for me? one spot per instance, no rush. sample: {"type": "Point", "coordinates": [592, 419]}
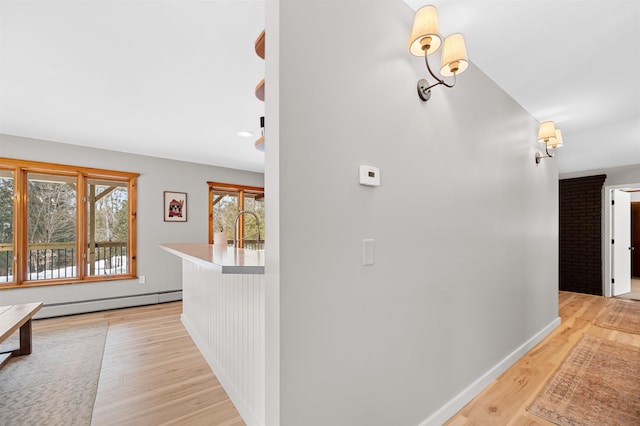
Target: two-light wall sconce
{"type": "Point", "coordinates": [550, 137]}
{"type": "Point", "coordinates": [425, 40]}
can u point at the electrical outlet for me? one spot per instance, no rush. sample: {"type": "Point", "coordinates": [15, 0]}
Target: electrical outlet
{"type": "Point", "coordinates": [141, 279]}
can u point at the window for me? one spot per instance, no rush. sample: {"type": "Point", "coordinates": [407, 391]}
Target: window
{"type": "Point", "coordinates": [6, 225]}
{"type": "Point", "coordinates": [226, 202]}
{"type": "Point", "coordinates": [51, 226]}
{"type": "Point", "coordinates": [64, 224]}
{"type": "Point", "coordinates": [108, 230]}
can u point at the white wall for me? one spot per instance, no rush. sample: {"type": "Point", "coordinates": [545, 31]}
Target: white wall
{"type": "Point", "coordinates": [615, 175]}
{"type": "Point", "coordinates": [162, 270]}
{"type": "Point", "coordinates": [459, 283]}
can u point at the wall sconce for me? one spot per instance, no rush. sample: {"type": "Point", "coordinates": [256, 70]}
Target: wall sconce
{"type": "Point", "coordinates": [425, 40]}
{"type": "Point", "coordinates": [550, 137]}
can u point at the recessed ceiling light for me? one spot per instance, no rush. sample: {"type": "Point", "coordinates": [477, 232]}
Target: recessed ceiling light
{"type": "Point", "coordinates": [245, 133]}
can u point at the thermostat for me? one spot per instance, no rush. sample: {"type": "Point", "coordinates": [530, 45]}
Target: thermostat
{"type": "Point", "coordinates": [369, 176]}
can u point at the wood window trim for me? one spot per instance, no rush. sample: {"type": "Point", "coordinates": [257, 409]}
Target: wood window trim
{"type": "Point", "coordinates": [240, 190]}
{"type": "Point", "coordinates": [21, 169]}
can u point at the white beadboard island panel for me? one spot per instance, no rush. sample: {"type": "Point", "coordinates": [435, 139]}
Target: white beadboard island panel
{"type": "Point", "coordinates": [224, 314]}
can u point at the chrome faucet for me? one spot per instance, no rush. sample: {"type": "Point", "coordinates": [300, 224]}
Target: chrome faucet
{"type": "Point", "coordinates": [235, 235]}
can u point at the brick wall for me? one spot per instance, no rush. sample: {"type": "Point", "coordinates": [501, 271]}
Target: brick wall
{"type": "Point", "coordinates": [581, 234]}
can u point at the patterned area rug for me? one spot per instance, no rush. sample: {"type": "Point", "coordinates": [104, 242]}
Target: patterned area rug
{"type": "Point", "coordinates": [57, 383]}
{"type": "Point", "coordinates": [597, 384]}
{"type": "Point", "coordinates": [621, 315]}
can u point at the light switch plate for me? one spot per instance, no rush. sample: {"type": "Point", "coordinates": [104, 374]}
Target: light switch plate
{"type": "Point", "coordinates": [368, 252]}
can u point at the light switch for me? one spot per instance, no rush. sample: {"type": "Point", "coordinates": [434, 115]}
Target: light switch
{"type": "Point", "coordinates": [368, 251]}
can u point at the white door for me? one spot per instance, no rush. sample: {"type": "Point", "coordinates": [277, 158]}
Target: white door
{"type": "Point", "coordinates": [621, 244]}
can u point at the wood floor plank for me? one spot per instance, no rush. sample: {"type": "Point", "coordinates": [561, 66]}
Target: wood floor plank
{"type": "Point", "coordinates": [152, 372]}
{"type": "Point", "coordinates": [505, 401]}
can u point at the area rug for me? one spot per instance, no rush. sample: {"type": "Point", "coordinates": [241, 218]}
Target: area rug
{"type": "Point", "coordinates": [598, 384]}
{"type": "Point", "coordinates": [621, 315]}
{"type": "Point", "coordinates": [57, 383]}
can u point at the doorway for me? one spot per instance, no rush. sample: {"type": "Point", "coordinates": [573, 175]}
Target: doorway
{"type": "Point", "coordinates": [635, 236]}
{"type": "Point", "coordinates": [622, 241]}
{"type": "Point", "coordinates": [635, 245]}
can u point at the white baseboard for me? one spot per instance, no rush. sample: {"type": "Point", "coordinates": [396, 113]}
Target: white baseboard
{"type": "Point", "coordinates": [447, 411]}
{"type": "Point", "coordinates": [56, 310]}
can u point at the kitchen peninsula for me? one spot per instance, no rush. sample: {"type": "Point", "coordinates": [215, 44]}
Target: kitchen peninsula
{"type": "Point", "coordinates": [223, 310]}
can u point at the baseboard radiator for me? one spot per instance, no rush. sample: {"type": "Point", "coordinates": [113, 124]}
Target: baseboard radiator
{"type": "Point", "coordinates": [86, 306]}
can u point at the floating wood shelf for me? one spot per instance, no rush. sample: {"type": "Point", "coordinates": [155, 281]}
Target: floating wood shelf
{"type": "Point", "coordinates": [260, 90]}
{"type": "Point", "coordinates": [260, 45]}
{"type": "Point", "coordinates": [260, 87]}
{"type": "Point", "coordinates": [260, 144]}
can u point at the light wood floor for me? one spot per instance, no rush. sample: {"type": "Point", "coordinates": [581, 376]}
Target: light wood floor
{"type": "Point", "coordinates": [152, 372]}
{"type": "Point", "coordinates": [504, 402]}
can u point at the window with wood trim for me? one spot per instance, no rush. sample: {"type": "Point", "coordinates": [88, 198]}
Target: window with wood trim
{"type": "Point", "coordinates": [233, 210]}
{"type": "Point", "coordinates": [64, 224]}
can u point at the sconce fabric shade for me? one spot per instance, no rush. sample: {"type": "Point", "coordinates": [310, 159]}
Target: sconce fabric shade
{"type": "Point", "coordinates": [557, 142]}
{"type": "Point", "coordinates": [550, 137]}
{"type": "Point", "coordinates": [425, 24]}
{"type": "Point", "coordinates": [454, 56]}
{"type": "Point", "coordinates": [547, 132]}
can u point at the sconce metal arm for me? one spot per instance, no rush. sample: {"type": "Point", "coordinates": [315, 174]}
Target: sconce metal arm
{"type": "Point", "coordinates": [439, 80]}
{"type": "Point", "coordinates": [540, 157]}
{"type": "Point", "coordinates": [424, 88]}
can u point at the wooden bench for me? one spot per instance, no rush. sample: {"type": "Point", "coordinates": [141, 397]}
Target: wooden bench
{"type": "Point", "coordinates": [16, 317]}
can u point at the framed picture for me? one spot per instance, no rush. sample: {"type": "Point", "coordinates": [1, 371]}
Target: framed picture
{"type": "Point", "coordinates": [175, 206]}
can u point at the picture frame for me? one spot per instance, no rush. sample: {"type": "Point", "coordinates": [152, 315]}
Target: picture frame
{"type": "Point", "coordinates": [175, 206]}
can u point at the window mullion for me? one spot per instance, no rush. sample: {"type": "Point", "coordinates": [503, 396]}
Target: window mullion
{"type": "Point", "coordinates": [240, 220]}
{"type": "Point", "coordinates": [81, 227]}
{"type": "Point", "coordinates": [210, 202]}
{"type": "Point", "coordinates": [19, 226]}
{"type": "Point", "coordinates": [133, 216]}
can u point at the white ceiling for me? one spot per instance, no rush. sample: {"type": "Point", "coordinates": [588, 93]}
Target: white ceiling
{"type": "Point", "coordinates": [576, 62]}
{"type": "Point", "coordinates": [172, 79]}
{"type": "Point", "coordinates": [176, 79]}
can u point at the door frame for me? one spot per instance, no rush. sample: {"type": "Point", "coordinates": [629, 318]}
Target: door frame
{"type": "Point", "coordinates": [635, 226]}
{"type": "Point", "coordinates": [606, 235]}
